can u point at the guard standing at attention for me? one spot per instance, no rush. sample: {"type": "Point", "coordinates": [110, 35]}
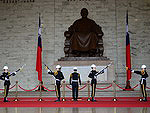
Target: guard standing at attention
{"type": "Point", "coordinates": [74, 79]}
{"type": "Point", "coordinates": [5, 77]}
{"type": "Point", "coordinates": [144, 75]}
{"type": "Point", "coordinates": [58, 77]}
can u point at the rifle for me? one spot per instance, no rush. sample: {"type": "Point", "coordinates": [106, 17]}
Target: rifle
{"type": "Point", "coordinates": [101, 71]}
{"type": "Point", "coordinates": [21, 68]}
{"type": "Point", "coordinates": [47, 68]}
{"type": "Point", "coordinates": [18, 70]}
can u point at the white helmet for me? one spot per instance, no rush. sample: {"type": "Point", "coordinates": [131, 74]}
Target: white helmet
{"type": "Point", "coordinates": [143, 66]}
{"type": "Point", "coordinates": [58, 67]}
{"type": "Point", "coordinates": [5, 67]}
{"type": "Point", "coordinates": [75, 68]}
{"type": "Point", "coordinates": [93, 65]}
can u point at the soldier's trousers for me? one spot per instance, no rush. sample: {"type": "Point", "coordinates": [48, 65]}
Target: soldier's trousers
{"type": "Point", "coordinates": [75, 90]}
{"type": "Point", "coordinates": [58, 90]}
{"type": "Point", "coordinates": [143, 89]}
{"type": "Point", "coordinates": [93, 90]}
{"type": "Point", "coordinates": [6, 90]}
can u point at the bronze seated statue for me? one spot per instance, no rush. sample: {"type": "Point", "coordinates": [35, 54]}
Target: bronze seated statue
{"type": "Point", "coordinates": [84, 38]}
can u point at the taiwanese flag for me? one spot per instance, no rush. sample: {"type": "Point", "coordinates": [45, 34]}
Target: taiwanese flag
{"type": "Point", "coordinates": [39, 53]}
{"type": "Point", "coordinates": [128, 57]}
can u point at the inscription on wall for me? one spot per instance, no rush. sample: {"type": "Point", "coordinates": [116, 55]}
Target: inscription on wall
{"type": "Point", "coordinates": [17, 1]}
{"type": "Point", "coordinates": [78, 0]}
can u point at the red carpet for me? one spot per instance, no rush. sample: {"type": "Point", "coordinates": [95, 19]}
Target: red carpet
{"type": "Point", "coordinates": [101, 102]}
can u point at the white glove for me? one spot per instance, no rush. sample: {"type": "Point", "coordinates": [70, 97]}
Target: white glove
{"type": "Point", "coordinates": [95, 77]}
{"type": "Point", "coordinates": [48, 71]}
{"type": "Point", "coordinates": [15, 72]}
{"type": "Point", "coordinates": [132, 71]}
{"type": "Point", "coordinates": [6, 79]}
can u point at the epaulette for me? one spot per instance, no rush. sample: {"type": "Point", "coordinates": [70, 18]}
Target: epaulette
{"type": "Point", "coordinates": [8, 73]}
{"type": "Point", "coordinates": [78, 75]}
{"type": "Point", "coordinates": [71, 75]}
{"type": "Point", "coordinates": [55, 73]}
{"type": "Point", "coordinates": [143, 72]}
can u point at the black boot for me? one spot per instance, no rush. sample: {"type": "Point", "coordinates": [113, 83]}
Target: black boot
{"type": "Point", "coordinates": [5, 99]}
{"type": "Point", "coordinates": [58, 100]}
{"type": "Point", "coordinates": [76, 99]}
{"type": "Point", "coordinates": [145, 99]}
{"type": "Point", "coordinates": [93, 100]}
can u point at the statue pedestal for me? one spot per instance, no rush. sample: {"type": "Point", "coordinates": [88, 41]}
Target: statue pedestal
{"type": "Point", "coordinates": [84, 67]}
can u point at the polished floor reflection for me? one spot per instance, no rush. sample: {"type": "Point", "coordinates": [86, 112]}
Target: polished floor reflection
{"type": "Point", "coordinates": [75, 110]}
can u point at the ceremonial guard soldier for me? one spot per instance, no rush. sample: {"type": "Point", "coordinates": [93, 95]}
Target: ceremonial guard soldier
{"type": "Point", "coordinates": [93, 75]}
{"type": "Point", "coordinates": [74, 79]}
{"type": "Point", "coordinates": [144, 75]}
{"type": "Point", "coordinates": [5, 76]}
{"type": "Point", "coordinates": [58, 77]}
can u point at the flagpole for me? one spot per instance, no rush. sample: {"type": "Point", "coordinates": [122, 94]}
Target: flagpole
{"type": "Point", "coordinates": [39, 53]}
{"type": "Point", "coordinates": [39, 57]}
{"type": "Point", "coordinates": [128, 57]}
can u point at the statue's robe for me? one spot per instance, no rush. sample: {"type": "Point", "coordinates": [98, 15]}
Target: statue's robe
{"type": "Point", "coordinates": [84, 35]}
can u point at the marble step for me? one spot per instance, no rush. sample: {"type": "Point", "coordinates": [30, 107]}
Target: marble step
{"type": "Point", "coordinates": [110, 93]}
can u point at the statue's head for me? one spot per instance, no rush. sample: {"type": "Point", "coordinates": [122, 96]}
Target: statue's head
{"type": "Point", "coordinates": [84, 13]}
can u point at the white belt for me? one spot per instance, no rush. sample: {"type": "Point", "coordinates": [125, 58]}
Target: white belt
{"type": "Point", "coordinates": [57, 80]}
{"type": "Point", "coordinates": [142, 80]}
{"type": "Point", "coordinates": [6, 79]}
{"type": "Point", "coordinates": [74, 80]}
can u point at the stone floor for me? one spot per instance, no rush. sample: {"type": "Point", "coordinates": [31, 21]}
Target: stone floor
{"type": "Point", "coordinates": [74, 110]}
